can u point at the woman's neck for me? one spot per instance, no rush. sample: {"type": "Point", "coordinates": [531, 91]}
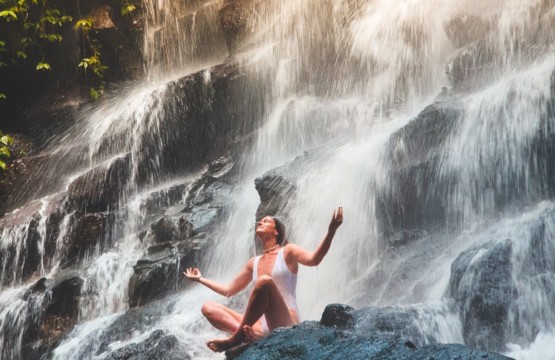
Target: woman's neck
{"type": "Point", "coordinates": [269, 248]}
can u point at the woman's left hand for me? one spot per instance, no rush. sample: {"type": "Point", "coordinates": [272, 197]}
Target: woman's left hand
{"type": "Point", "coordinates": [336, 219]}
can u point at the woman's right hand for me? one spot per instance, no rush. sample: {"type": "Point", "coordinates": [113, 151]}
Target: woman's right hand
{"type": "Point", "coordinates": [192, 274]}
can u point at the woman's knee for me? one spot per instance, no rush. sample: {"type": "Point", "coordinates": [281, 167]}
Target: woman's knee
{"type": "Point", "coordinates": [264, 281]}
{"type": "Point", "coordinates": [209, 308]}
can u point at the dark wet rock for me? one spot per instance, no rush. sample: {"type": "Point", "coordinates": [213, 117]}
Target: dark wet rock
{"type": "Point", "coordinates": [29, 236]}
{"type": "Point", "coordinates": [278, 186]}
{"type": "Point", "coordinates": [164, 230]}
{"type": "Point", "coordinates": [482, 285]}
{"type": "Point", "coordinates": [158, 346]}
{"type": "Point", "coordinates": [61, 309]}
{"type": "Point", "coordinates": [88, 232]}
{"type": "Point", "coordinates": [338, 315]}
{"type": "Point", "coordinates": [207, 199]}
{"type": "Point", "coordinates": [52, 311]}
{"type": "Point", "coordinates": [100, 188]}
{"type": "Point", "coordinates": [159, 271]}
{"type": "Point", "coordinates": [158, 201]}
{"type": "Point", "coordinates": [119, 50]}
{"type": "Point", "coordinates": [185, 228]}
{"type": "Point", "coordinates": [414, 203]}
{"type": "Point", "coordinates": [309, 340]}
{"type": "Point", "coordinates": [233, 21]}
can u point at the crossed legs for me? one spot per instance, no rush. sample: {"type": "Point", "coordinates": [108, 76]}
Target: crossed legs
{"type": "Point", "coordinates": [265, 299]}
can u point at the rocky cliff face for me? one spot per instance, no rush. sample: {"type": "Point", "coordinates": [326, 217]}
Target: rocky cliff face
{"type": "Point", "coordinates": [100, 222]}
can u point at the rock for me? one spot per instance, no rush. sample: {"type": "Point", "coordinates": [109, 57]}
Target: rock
{"type": "Point", "coordinates": [311, 341]}
{"type": "Point", "coordinates": [61, 310]}
{"type": "Point", "coordinates": [87, 232]}
{"type": "Point", "coordinates": [481, 284]}
{"type": "Point", "coordinates": [52, 309]}
{"type": "Point", "coordinates": [158, 346]}
{"type": "Point", "coordinates": [119, 52]}
{"type": "Point", "coordinates": [159, 271]}
{"type": "Point", "coordinates": [29, 235]}
{"type": "Point", "coordinates": [278, 186]}
{"type": "Point", "coordinates": [99, 189]}
{"type": "Point", "coordinates": [338, 315]}
{"type": "Point", "coordinates": [414, 204]}
{"type": "Point", "coordinates": [164, 230]}
{"type": "Point", "coordinates": [233, 21]}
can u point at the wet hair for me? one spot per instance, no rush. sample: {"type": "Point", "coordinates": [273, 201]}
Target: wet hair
{"type": "Point", "coordinates": [280, 227]}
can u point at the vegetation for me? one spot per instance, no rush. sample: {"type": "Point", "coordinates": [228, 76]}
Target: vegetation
{"type": "Point", "coordinates": [28, 27]}
{"type": "Point", "coordinates": [30, 30]}
{"type": "Point", "coordinates": [5, 142]}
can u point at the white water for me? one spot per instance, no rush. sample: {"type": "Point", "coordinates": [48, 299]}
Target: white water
{"type": "Point", "coordinates": [344, 78]}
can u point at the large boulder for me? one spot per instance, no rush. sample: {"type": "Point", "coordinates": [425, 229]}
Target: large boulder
{"type": "Point", "coordinates": [99, 189]}
{"type": "Point", "coordinates": [482, 285]}
{"type": "Point", "coordinates": [158, 346]}
{"type": "Point", "coordinates": [181, 238]}
{"type": "Point", "coordinates": [414, 201]}
{"type": "Point", "coordinates": [335, 340]}
{"type": "Point", "coordinates": [159, 271]}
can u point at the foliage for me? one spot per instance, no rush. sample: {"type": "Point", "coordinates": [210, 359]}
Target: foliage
{"type": "Point", "coordinates": [27, 27]}
{"type": "Point", "coordinates": [93, 61]}
{"type": "Point", "coordinates": [5, 142]}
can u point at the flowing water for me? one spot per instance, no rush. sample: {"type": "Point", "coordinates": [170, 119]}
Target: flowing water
{"type": "Point", "coordinates": [341, 77]}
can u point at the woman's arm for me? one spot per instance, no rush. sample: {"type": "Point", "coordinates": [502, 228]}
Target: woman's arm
{"type": "Point", "coordinates": [239, 283]}
{"type": "Point", "coordinates": [313, 258]}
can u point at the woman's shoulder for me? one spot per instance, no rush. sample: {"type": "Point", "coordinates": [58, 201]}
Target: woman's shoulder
{"type": "Point", "coordinates": [250, 263]}
{"type": "Point", "coordinates": [288, 249]}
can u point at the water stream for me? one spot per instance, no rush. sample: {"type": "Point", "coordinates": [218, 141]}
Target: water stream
{"type": "Point", "coordinates": [341, 79]}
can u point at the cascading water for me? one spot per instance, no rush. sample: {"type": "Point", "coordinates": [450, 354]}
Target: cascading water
{"type": "Point", "coordinates": [346, 81]}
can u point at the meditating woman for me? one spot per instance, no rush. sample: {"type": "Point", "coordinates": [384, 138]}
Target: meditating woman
{"type": "Point", "coordinates": [272, 302]}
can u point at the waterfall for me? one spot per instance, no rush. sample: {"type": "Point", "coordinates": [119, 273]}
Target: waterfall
{"type": "Point", "coordinates": [428, 121]}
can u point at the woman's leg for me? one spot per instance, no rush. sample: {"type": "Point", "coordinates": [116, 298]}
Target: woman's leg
{"type": "Point", "coordinates": [221, 317]}
{"type": "Point", "coordinates": [225, 319]}
{"type": "Point", "coordinates": [265, 299]}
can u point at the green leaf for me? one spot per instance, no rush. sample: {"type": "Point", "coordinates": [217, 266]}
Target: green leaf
{"type": "Point", "coordinates": [26, 41]}
{"type": "Point", "coordinates": [84, 63]}
{"type": "Point", "coordinates": [67, 19]}
{"type": "Point", "coordinates": [6, 140]}
{"type": "Point", "coordinates": [43, 66]}
{"type": "Point", "coordinates": [84, 23]}
{"type": "Point", "coordinates": [94, 93]}
{"type": "Point", "coordinates": [127, 9]}
{"type": "Point", "coordinates": [51, 37]}
{"type": "Point", "coordinates": [4, 152]}
{"type": "Point", "coordinates": [31, 26]}
{"type": "Point", "coordinates": [8, 14]}
{"type": "Point", "coordinates": [2, 96]}
{"type": "Point", "coordinates": [22, 55]}
{"type": "Point", "coordinates": [2, 165]}
{"type": "Point", "coordinates": [2, 43]}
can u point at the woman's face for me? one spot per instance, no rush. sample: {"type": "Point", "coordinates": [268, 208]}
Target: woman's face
{"type": "Point", "coordinates": [266, 227]}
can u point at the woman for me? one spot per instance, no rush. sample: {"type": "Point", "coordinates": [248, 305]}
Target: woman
{"type": "Point", "coordinates": [272, 302]}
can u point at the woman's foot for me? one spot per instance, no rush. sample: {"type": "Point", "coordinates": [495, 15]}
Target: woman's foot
{"type": "Point", "coordinates": [220, 345]}
{"type": "Point", "coordinates": [251, 335]}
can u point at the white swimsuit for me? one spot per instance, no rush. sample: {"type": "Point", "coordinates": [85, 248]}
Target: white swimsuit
{"type": "Point", "coordinates": [285, 281]}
